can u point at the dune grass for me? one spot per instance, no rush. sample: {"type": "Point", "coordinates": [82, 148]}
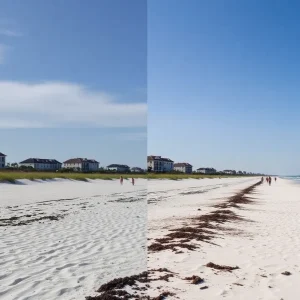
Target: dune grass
{"type": "Point", "coordinates": [189, 176]}
{"type": "Point", "coordinates": [14, 176]}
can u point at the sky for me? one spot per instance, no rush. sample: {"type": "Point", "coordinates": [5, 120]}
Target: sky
{"type": "Point", "coordinates": [223, 84]}
{"type": "Point", "coordinates": [71, 65]}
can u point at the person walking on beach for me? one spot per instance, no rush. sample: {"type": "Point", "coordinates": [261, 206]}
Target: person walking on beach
{"type": "Point", "coordinates": [267, 179]}
{"type": "Point", "coordinates": [262, 180]}
{"type": "Point", "coordinates": [132, 181]}
{"type": "Point", "coordinates": [275, 179]}
{"type": "Point", "coordinates": [121, 180]}
{"type": "Point", "coordinates": [270, 179]}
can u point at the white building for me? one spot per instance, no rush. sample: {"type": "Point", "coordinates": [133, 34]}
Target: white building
{"type": "Point", "coordinates": [82, 164]}
{"type": "Point", "coordinates": [137, 170]}
{"type": "Point", "coordinates": [160, 164]}
{"type": "Point", "coordinates": [183, 167]}
{"type": "Point", "coordinates": [118, 168]}
{"type": "Point", "coordinates": [2, 160]}
{"type": "Point", "coordinates": [230, 172]}
{"type": "Point", "coordinates": [207, 170]}
{"type": "Point", "coordinates": [41, 164]}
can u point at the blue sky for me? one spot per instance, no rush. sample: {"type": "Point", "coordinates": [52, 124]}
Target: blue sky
{"type": "Point", "coordinates": [108, 146]}
{"type": "Point", "coordinates": [223, 84]}
{"type": "Point", "coordinates": [69, 64]}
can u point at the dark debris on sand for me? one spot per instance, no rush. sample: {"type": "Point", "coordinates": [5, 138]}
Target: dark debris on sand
{"type": "Point", "coordinates": [114, 289]}
{"type": "Point", "coordinates": [205, 228]}
{"type": "Point", "coordinates": [194, 279]}
{"type": "Point", "coordinates": [221, 268]}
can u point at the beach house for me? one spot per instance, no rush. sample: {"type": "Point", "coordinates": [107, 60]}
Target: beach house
{"type": "Point", "coordinates": [41, 164]}
{"type": "Point", "coordinates": [230, 172]}
{"type": "Point", "coordinates": [81, 164]}
{"type": "Point", "coordinates": [183, 167]}
{"type": "Point", "coordinates": [2, 160]}
{"type": "Point", "coordinates": [207, 170]}
{"type": "Point", "coordinates": [118, 168]}
{"type": "Point", "coordinates": [137, 170]}
{"type": "Point", "coordinates": [160, 164]}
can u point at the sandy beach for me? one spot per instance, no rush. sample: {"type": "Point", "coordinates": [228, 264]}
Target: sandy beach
{"type": "Point", "coordinates": [218, 238]}
{"type": "Point", "coordinates": [207, 239]}
{"type": "Point", "coordinates": [261, 239]}
{"type": "Point", "coordinates": [62, 239]}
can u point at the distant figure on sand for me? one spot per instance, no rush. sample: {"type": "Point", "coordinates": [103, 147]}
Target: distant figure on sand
{"type": "Point", "coordinates": [121, 179]}
{"type": "Point", "coordinates": [132, 181]}
{"type": "Point", "coordinates": [267, 179]}
{"type": "Point", "coordinates": [262, 180]}
{"type": "Point", "coordinates": [270, 179]}
{"type": "Point", "coordinates": [275, 179]}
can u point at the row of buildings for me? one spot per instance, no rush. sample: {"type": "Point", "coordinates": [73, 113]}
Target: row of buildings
{"type": "Point", "coordinates": [155, 164]}
{"type": "Point", "coordinates": [161, 164]}
{"type": "Point", "coordinates": [80, 164]}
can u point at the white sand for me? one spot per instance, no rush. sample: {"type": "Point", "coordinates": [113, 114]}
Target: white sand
{"type": "Point", "coordinates": [102, 236]}
{"type": "Point", "coordinates": [98, 240]}
{"type": "Point", "coordinates": [268, 247]}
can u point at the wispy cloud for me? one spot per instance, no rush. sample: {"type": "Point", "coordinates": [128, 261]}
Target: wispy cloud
{"type": "Point", "coordinates": [60, 104]}
{"type": "Point", "coordinates": [10, 33]}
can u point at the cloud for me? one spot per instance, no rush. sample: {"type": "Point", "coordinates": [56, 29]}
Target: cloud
{"type": "Point", "coordinates": [10, 33]}
{"type": "Point", "coordinates": [60, 104]}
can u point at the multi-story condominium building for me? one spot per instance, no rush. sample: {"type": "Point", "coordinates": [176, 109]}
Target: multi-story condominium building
{"type": "Point", "coordinates": [2, 160]}
{"type": "Point", "coordinates": [118, 168]}
{"type": "Point", "coordinates": [160, 164]}
{"type": "Point", "coordinates": [183, 167]}
{"type": "Point", "coordinates": [207, 170]}
{"type": "Point", "coordinates": [82, 164]}
{"type": "Point", "coordinates": [41, 164]}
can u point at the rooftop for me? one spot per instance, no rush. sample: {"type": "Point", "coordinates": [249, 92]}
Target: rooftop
{"type": "Point", "coordinates": [79, 160]}
{"type": "Point", "coordinates": [182, 165]}
{"type": "Point", "coordinates": [39, 161]}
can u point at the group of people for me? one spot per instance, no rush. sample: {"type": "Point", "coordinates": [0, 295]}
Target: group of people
{"type": "Point", "coordinates": [121, 180]}
{"type": "Point", "coordinates": [268, 179]}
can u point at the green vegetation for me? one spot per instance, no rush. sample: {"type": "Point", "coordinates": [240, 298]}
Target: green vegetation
{"type": "Point", "coordinates": [12, 176]}
{"type": "Point", "coordinates": [179, 176]}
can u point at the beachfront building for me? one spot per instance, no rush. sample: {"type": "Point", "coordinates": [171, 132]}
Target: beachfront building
{"type": "Point", "coordinates": [160, 164]}
{"type": "Point", "coordinates": [2, 160]}
{"type": "Point", "coordinates": [207, 170]}
{"type": "Point", "coordinates": [81, 164]}
{"type": "Point", "coordinates": [230, 172]}
{"type": "Point", "coordinates": [137, 170]}
{"type": "Point", "coordinates": [41, 164]}
{"type": "Point", "coordinates": [118, 168]}
{"type": "Point", "coordinates": [183, 167]}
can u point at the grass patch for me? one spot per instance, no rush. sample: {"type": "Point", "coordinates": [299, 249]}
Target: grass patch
{"type": "Point", "coordinates": [190, 176]}
{"type": "Point", "coordinates": [13, 176]}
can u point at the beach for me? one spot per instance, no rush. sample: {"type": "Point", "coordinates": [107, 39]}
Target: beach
{"type": "Point", "coordinates": [62, 239]}
{"type": "Point", "coordinates": [258, 248]}
{"type": "Point", "coordinates": [230, 238]}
